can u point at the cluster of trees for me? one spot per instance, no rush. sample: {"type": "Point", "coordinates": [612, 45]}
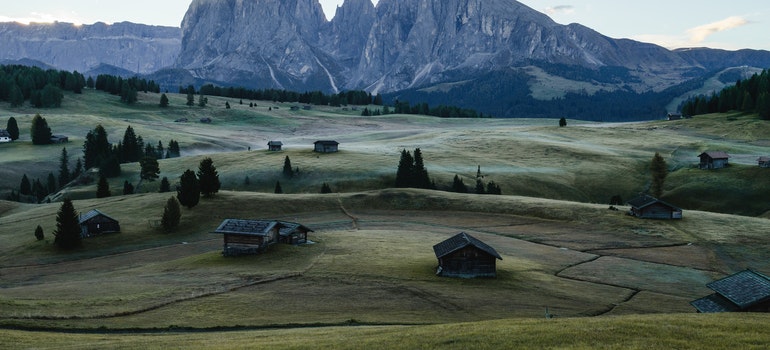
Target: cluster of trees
{"type": "Point", "coordinates": [43, 88]}
{"type": "Point", "coordinates": [355, 97]}
{"type": "Point", "coordinates": [127, 89]}
{"type": "Point", "coordinates": [750, 95]}
{"type": "Point", "coordinates": [192, 185]}
{"type": "Point", "coordinates": [491, 188]}
{"type": "Point", "coordinates": [411, 171]}
{"type": "Point", "coordinates": [38, 190]}
{"type": "Point", "coordinates": [40, 132]}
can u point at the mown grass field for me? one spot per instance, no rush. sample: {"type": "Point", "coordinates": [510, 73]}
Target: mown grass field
{"type": "Point", "coordinates": [368, 281]}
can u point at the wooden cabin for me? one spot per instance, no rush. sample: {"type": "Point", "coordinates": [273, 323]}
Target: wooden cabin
{"type": "Point", "coordinates": [464, 256]}
{"type": "Point", "coordinates": [274, 146]}
{"type": "Point", "coordinates": [745, 291]}
{"type": "Point", "coordinates": [292, 233]}
{"type": "Point", "coordinates": [59, 139]}
{"type": "Point", "coordinates": [326, 146]}
{"type": "Point", "coordinates": [243, 237]}
{"type": "Point", "coordinates": [674, 116]}
{"type": "Point", "coordinates": [764, 162]}
{"type": "Point", "coordinates": [713, 160]}
{"type": "Point", "coordinates": [96, 223]}
{"type": "Point", "coordinates": [648, 207]}
{"type": "Point", "coordinates": [5, 136]}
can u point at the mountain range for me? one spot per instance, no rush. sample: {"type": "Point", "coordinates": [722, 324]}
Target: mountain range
{"type": "Point", "coordinates": [497, 56]}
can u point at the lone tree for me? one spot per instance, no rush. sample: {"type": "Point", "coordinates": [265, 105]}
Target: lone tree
{"type": "Point", "coordinates": [165, 186]}
{"type": "Point", "coordinates": [208, 177]}
{"type": "Point", "coordinates": [128, 188]}
{"type": "Point", "coordinates": [325, 188]}
{"type": "Point", "coordinates": [171, 215]}
{"type": "Point", "coordinates": [39, 131]}
{"type": "Point", "coordinates": [25, 187]}
{"type": "Point", "coordinates": [659, 172]}
{"type": "Point", "coordinates": [13, 128]}
{"type": "Point", "coordinates": [563, 122]}
{"type": "Point", "coordinates": [287, 170]}
{"type": "Point", "coordinates": [67, 227]}
{"type": "Point", "coordinates": [278, 188]}
{"type": "Point", "coordinates": [189, 191]}
{"type": "Point", "coordinates": [163, 100]}
{"type": "Point", "coordinates": [64, 168]}
{"type": "Point", "coordinates": [39, 233]}
{"type": "Point", "coordinates": [150, 168]}
{"type": "Point", "coordinates": [103, 188]}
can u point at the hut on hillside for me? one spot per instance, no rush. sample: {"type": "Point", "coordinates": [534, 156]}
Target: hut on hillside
{"type": "Point", "coordinates": [326, 146]}
{"type": "Point", "coordinates": [764, 162]}
{"type": "Point", "coordinates": [59, 139]}
{"type": "Point", "coordinates": [96, 223]}
{"type": "Point", "coordinates": [244, 237]}
{"type": "Point", "coordinates": [274, 146]}
{"type": "Point", "coordinates": [5, 136]}
{"type": "Point", "coordinates": [745, 291]}
{"type": "Point", "coordinates": [464, 256]}
{"type": "Point", "coordinates": [292, 233]}
{"type": "Point", "coordinates": [649, 207]}
{"type": "Point", "coordinates": [713, 160]}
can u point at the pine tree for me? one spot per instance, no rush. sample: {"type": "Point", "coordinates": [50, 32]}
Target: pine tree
{"type": "Point", "coordinates": [78, 169]}
{"type": "Point", "coordinates": [493, 188]}
{"type": "Point", "coordinates": [51, 183]}
{"type": "Point", "coordinates": [128, 188]}
{"type": "Point", "coordinates": [458, 185]}
{"type": "Point", "coordinates": [563, 122]}
{"type": "Point", "coordinates": [480, 187]}
{"type": "Point", "coordinates": [659, 171]}
{"type": "Point", "coordinates": [287, 169]}
{"type": "Point", "coordinates": [131, 149]}
{"type": "Point", "coordinates": [171, 215]}
{"type": "Point", "coordinates": [419, 173]}
{"type": "Point", "coordinates": [278, 188]}
{"type": "Point", "coordinates": [149, 168]}
{"type": "Point", "coordinates": [96, 148]}
{"type": "Point", "coordinates": [163, 100]}
{"type": "Point", "coordinates": [40, 132]}
{"type": "Point", "coordinates": [103, 188]}
{"type": "Point", "coordinates": [405, 171]}
{"type": "Point", "coordinates": [325, 188]}
{"type": "Point", "coordinates": [13, 128]}
{"type": "Point", "coordinates": [64, 168]}
{"type": "Point", "coordinates": [208, 177]}
{"type": "Point", "coordinates": [190, 98]}
{"type": "Point", "coordinates": [39, 233]}
{"type": "Point", "coordinates": [189, 191]}
{"type": "Point", "coordinates": [25, 187]}
{"type": "Point", "coordinates": [67, 227]}
{"type": "Point", "coordinates": [165, 186]}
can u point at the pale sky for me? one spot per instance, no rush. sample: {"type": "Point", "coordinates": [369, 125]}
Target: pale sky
{"type": "Point", "coordinates": [731, 25]}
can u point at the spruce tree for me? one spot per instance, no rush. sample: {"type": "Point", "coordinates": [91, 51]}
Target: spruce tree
{"type": "Point", "coordinates": [419, 173]}
{"type": "Point", "coordinates": [67, 227]}
{"type": "Point", "coordinates": [51, 183]}
{"type": "Point", "coordinates": [96, 148]}
{"type": "Point", "coordinates": [39, 235]}
{"type": "Point", "coordinates": [405, 171]}
{"type": "Point", "coordinates": [25, 187]}
{"type": "Point", "coordinates": [325, 188]}
{"type": "Point", "coordinates": [171, 215]}
{"type": "Point", "coordinates": [287, 169]}
{"type": "Point", "coordinates": [563, 122]}
{"type": "Point", "coordinates": [480, 187]}
{"type": "Point", "coordinates": [163, 100]}
{"type": "Point", "coordinates": [149, 168]}
{"type": "Point", "coordinates": [164, 185]}
{"type": "Point", "coordinates": [189, 191]}
{"type": "Point", "coordinates": [131, 149]}
{"type": "Point", "coordinates": [208, 177]}
{"type": "Point", "coordinates": [64, 169]}
{"type": "Point", "coordinates": [458, 185]}
{"type": "Point", "coordinates": [278, 188]}
{"type": "Point", "coordinates": [13, 128]}
{"type": "Point", "coordinates": [39, 131]}
{"type": "Point", "coordinates": [103, 188]}
{"type": "Point", "coordinates": [659, 172]}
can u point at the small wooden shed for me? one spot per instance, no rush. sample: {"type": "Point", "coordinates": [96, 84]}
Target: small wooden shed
{"type": "Point", "coordinates": [59, 139]}
{"type": "Point", "coordinates": [745, 291]}
{"type": "Point", "coordinates": [326, 146]}
{"type": "Point", "coordinates": [292, 233]}
{"type": "Point", "coordinates": [274, 146]}
{"type": "Point", "coordinates": [713, 160]}
{"type": "Point", "coordinates": [95, 223]}
{"type": "Point", "coordinates": [5, 136]}
{"type": "Point", "coordinates": [764, 162]}
{"type": "Point", "coordinates": [242, 237]}
{"type": "Point", "coordinates": [649, 207]}
{"type": "Point", "coordinates": [464, 256]}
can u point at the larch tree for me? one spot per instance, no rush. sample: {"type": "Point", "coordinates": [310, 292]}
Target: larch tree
{"type": "Point", "coordinates": [67, 227]}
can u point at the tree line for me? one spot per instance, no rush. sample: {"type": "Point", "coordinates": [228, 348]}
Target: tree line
{"type": "Point", "coordinates": [42, 88]}
{"type": "Point", "coordinates": [750, 95]}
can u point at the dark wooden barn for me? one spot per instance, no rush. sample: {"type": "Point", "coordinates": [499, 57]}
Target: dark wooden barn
{"type": "Point", "coordinates": [466, 257]}
{"type": "Point", "coordinates": [326, 146]}
{"type": "Point", "coordinates": [274, 146]}
{"type": "Point", "coordinates": [292, 233]}
{"type": "Point", "coordinates": [713, 160]}
{"type": "Point", "coordinates": [745, 291]}
{"type": "Point", "coordinates": [648, 207]}
{"type": "Point", "coordinates": [96, 223]}
{"type": "Point", "coordinates": [243, 237]}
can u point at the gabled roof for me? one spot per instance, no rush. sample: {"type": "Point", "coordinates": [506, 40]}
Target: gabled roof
{"type": "Point", "coordinates": [713, 303]}
{"type": "Point", "coordinates": [246, 227]}
{"type": "Point", "coordinates": [4, 133]}
{"type": "Point", "coordinates": [275, 143]}
{"type": "Point", "coordinates": [763, 159]}
{"type": "Point", "coordinates": [287, 228]}
{"type": "Point", "coordinates": [92, 214]}
{"type": "Point", "coordinates": [460, 241]}
{"type": "Point", "coordinates": [744, 288]}
{"type": "Point", "coordinates": [326, 142]}
{"type": "Point", "coordinates": [645, 201]}
{"type": "Point", "coordinates": [715, 155]}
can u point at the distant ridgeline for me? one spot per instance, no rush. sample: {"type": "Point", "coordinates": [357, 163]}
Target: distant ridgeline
{"type": "Point", "coordinates": [42, 88]}
{"type": "Point", "coordinates": [750, 95]}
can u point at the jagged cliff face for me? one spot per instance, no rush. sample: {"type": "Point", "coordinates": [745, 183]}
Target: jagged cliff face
{"type": "Point", "coordinates": [134, 47]}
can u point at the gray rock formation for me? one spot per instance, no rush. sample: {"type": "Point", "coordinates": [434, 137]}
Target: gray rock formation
{"type": "Point", "coordinates": [134, 47]}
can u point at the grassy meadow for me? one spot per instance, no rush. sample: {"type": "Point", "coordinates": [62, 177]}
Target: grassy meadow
{"type": "Point", "coordinates": [368, 279]}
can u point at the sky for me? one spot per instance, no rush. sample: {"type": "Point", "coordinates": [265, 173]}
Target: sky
{"type": "Point", "coordinates": [731, 25]}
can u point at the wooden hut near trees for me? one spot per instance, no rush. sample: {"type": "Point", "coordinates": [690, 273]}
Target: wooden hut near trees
{"type": "Point", "coordinates": [745, 291]}
{"type": "Point", "coordinates": [326, 146]}
{"type": "Point", "coordinates": [764, 162]}
{"type": "Point", "coordinates": [274, 146]}
{"type": "Point", "coordinates": [648, 207]}
{"type": "Point", "coordinates": [244, 237]}
{"type": "Point", "coordinates": [464, 256]}
{"type": "Point", "coordinates": [713, 160]}
{"type": "Point", "coordinates": [96, 223]}
{"type": "Point", "coordinates": [5, 136]}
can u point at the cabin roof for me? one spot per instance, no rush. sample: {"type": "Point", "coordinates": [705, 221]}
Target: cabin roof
{"type": "Point", "coordinates": [4, 133]}
{"type": "Point", "coordinates": [460, 241]}
{"type": "Point", "coordinates": [764, 159]}
{"type": "Point", "coordinates": [246, 227]}
{"type": "Point", "coordinates": [713, 303]}
{"type": "Point", "coordinates": [715, 154]}
{"type": "Point", "coordinates": [326, 142]}
{"type": "Point", "coordinates": [289, 227]}
{"type": "Point", "coordinates": [646, 200]}
{"type": "Point", "coordinates": [744, 288]}
{"type": "Point", "coordinates": [92, 214]}
{"type": "Point", "coordinates": [275, 143]}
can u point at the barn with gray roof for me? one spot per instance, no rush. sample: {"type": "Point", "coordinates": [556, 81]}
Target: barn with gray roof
{"type": "Point", "coordinates": [464, 256]}
{"type": "Point", "coordinates": [747, 291]}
